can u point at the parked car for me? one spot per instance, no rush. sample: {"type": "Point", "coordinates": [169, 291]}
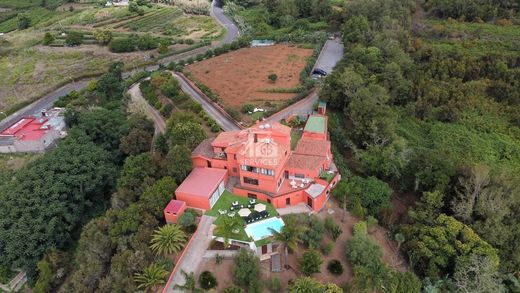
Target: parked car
{"type": "Point", "coordinates": [319, 71]}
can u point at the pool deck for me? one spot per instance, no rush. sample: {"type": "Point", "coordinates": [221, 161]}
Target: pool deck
{"type": "Point", "coordinates": [259, 223]}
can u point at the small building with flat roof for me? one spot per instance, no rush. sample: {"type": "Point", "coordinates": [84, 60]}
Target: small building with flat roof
{"type": "Point", "coordinates": [203, 187]}
{"type": "Point", "coordinates": [33, 133]}
{"type": "Point", "coordinates": [174, 210]}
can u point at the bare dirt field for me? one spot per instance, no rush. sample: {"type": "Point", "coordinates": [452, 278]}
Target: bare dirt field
{"type": "Point", "coordinates": [241, 76]}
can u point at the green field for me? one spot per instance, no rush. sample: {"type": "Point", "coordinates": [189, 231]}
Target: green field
{"type": "Point", "coordinates": [478, 39]}
{"type": "Point", "coordinates": [29, 70]}
{"type": "Point", "coordinates": [24, 4]}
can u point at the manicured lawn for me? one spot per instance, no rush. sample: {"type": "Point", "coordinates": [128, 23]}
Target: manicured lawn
{"type": "Point", "coordinates": [224, 203]}
{"type": "Point", "coordinates": [295, 137]}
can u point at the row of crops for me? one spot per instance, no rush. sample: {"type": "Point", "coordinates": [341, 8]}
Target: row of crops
{"type": "Point", "coordinates": [156, 20]}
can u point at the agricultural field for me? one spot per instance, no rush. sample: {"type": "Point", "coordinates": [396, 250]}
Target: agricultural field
{"type": "Point", "coordinates": [29, 69]}
{"type": "Point", "coordinates": [242, 77]}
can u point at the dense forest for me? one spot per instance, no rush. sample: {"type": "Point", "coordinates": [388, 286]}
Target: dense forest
{"type": "Point", "coordinates": [426, 99]}
{"type": "Point", "coordinates": [424, 110]}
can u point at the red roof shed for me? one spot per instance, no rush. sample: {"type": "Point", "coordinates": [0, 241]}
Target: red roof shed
{"type": "Point", "coordinates": [174, 210]}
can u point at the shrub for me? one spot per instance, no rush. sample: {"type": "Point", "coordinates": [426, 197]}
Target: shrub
{"type": "Point", "coordinates": [166, 111]}
{"type": "Point", "coordinates": [233, 113]}
{"type": "Point", "coordinates": [274, 285]}
{"type": "Point", "coordinates": [311, 262]}
{"type": "Point", "coordinates": [121, 45]}
{"type": "Point", "coordinates": [272, 77]}
{"type": "Point", "coordinates": [195, 107]}
{"type": "Point", "coordinates": [207, 280]}
{"type": "Point", "coordinates": [327, 248]}
{"type": "Point", "coordinates": [335, 267]}
{"type": "Point", "coordinates": [74, 39]}
{"type": "Point", "coordinates": [246, 108]}
{"type": "Point", "coordinates": [23, 21]}
{"type": "Point", "coordinates": [187, 219]}
{"type": "Point", "coordinates": [336, 232]}
{"type": "Point", "coordinates": [215, 128]}
{"type": "Point", "coordinates": [189, 41]}
{"type": "Point", "coordinates": [103, 36]}
{"type": "Point", "coordinates": [219, 259]}
{"type": "Point", "coordinates": [147, 42]}
{"type": "Point", "coordinates": [163, 48]}
{"type": "Point", "coordinates": [48, 39]}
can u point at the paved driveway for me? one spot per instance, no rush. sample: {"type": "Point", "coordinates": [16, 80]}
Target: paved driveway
{"type": "Point", "coordinates": [194, 255]}
{"type": "Point", "coordinates": [330, 55]}
{"type": "Point", "coordinates": [151, 112]}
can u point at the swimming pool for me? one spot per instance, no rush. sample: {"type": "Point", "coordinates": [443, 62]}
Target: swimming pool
{"type": "Point", "coordinates": [260, 230]}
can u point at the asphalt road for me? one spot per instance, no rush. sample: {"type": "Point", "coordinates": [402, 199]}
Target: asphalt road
{"type": "Point", "coordinates": [48, 100]}
{"type": "Point", "coordinates": [330, 55]}
{"type": "Point", "coordinates": [232, 30]}
{"type": "Point", "coordinates": [225, 122]}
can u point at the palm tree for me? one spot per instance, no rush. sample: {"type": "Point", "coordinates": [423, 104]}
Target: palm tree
{"type": "Point", "coordinates": [226, 227]}
{"type": "Point", "coordinates": [306, 284]}
{"type": "Point", "coordinates": [190, 284]}
{"type": "Point", "coordinates": [151, 277]}
{"type": "Point", "coordinates": [168, 239]}
{"type": "Point", "coordinates": [289, 236]}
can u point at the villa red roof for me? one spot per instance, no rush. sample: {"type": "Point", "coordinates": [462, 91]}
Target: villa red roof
{"type": "Point", "coordinates": [202, 182]}
{"type": "Point", "coordinates": [227, 138]}
{"type": "Point", "coordinates": [313, 147]}
{"type": "Point", "coordinates": [204, 149]}
{"type": "Point", "coordinates": [299, 161]}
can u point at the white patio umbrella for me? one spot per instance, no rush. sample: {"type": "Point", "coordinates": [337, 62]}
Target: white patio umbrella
{"type": "Point", "coordinates": [260, 207]}
{"type": "Point", "coordinates": [244, 212]}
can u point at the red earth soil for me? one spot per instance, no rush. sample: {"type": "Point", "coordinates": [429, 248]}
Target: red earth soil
{"type": "Point", "coordinates": [240, 76]}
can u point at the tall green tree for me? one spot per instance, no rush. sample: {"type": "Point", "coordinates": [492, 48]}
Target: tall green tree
{"type": "Point", "coordinates": [227, 227]}
{"type": "Point", "coordinates": [288, 236]}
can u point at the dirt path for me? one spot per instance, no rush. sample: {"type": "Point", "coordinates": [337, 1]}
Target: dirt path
{"type": "Point", "coordinates": [150, 112]}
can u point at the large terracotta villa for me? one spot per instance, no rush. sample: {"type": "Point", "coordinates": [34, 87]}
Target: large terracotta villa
{"type": "Point", "coordinates": [258, 163]}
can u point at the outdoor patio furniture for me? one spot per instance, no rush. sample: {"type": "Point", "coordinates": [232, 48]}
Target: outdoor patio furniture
{"type": "Point", "coordinates": [222, 212]}
{"type": "Point", "coordinates": [235, 203]}
{"type": "Point", "coordinates": [231, 215]}
{"type": "Point", "coordinates": [260, 207]}
{"type": "Point", "coordinates": [252, 201]}
{"type": "Point", "coordinates": [244, 212]}
{"type": "Point", "coordinates": [231, 208]}
{"type": "Point", "coordinates": [236, 231]}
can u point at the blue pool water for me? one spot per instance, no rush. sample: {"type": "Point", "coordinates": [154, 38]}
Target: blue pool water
{"type": "Point", "coordinates": [261, 230]}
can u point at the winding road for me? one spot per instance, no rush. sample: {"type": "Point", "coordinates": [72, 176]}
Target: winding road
{"type": "Point", "coordinates": [48, 100]}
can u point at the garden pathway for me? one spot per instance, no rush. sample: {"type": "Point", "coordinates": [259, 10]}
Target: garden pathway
{"type": "Point", "coordinates": [192, 257]}
{"type": "Point", "coordinates": [295, 209]}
